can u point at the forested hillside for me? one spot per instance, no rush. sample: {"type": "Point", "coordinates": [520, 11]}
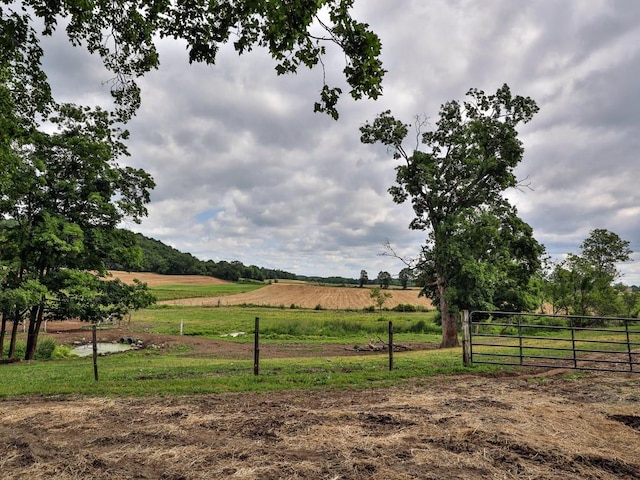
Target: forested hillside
{"type": "Point", "coordinates": [158, 257]}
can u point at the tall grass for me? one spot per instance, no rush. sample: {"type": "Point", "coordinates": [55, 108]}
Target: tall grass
{"type": "Point", "coordinates": [279, 325]}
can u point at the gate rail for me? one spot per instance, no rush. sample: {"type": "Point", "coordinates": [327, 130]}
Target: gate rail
{"type": "Point", "coordinates": [551, 341]}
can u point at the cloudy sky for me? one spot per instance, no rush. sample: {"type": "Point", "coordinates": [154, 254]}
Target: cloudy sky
{"type": "Point", "coordinates": [246, 171]}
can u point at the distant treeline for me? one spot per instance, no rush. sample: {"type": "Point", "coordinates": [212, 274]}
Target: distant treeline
{"type": "Point", "coordinates": [158, 257]}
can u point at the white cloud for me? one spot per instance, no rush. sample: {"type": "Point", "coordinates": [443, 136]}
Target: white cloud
{"type": "Point", "coordinates": [246, 171]}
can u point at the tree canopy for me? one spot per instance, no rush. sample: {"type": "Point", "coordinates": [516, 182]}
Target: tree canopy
{"type": "Point", "coordinates": [583, 283]}
{"type": "Point", "coordinates": [62, 196]}
{"type": "Point", "coordinates": [478, 253]}
{"type": "Point", "coordinates": [125, 34]}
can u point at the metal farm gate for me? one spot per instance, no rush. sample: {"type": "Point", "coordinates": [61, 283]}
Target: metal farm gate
{"type": "Point", "coordinates": [555, 341]}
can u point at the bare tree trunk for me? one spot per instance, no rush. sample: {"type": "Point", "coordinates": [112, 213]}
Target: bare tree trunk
{"type": "Point", "coordinates": [449, 320]}
{"type": "Point", "coordinates": [35, 320]}
{"type": "Point", "coordinates": [14, 334]}
{"type": "Point", "coordinates": [3, 327]}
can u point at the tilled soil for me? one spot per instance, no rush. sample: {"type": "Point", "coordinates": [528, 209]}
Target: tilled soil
{"type": "Point", "coordinates": [549, 426]}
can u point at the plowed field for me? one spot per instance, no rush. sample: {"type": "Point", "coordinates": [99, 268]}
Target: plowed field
{"type": "Point", "coordinates": [280, 294]}
{"type": "Point", "coordinates": [310, 296]}
{"type": "Point", "coordinates": [156, 280]}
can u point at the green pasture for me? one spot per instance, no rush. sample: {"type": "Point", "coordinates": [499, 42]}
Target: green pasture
{"type": "Point", "coordinates": [162, 372]}
{"type": "Point", "coordinates": [177, 372]}
{"type": "Point", "coordinates": [176, 292]}
{"type": "Point", "coordinates": [287, 325]}
{"type": "Point", "coordinates": [148, 372]}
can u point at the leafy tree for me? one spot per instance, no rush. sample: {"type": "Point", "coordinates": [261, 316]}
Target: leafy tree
{"type": "Point", "coordinates": [125, 33]}
{"type": "Point", "coordinates": [384, 279]}
{"type": "Point", "coordinates": [558, 289]}
{"type": "Point", "coordinates": [379, 297]}
{"type": "Point", "coordinates": [629, 302]}
{"type": "Point", "coordinates": [404, 276]}
{"type": "Point", "coordinates": [63, 195]}
{"type": "Point", "coordinates": [478, 252]}
{"type": "Point", "coordinates": [603, 250]}
{"type": "Point", "coordinates": [89, 297]}
{"type": "Point", "coordinates": [364, 278]}
{"type": "Point", "coordinates": [582, 284]}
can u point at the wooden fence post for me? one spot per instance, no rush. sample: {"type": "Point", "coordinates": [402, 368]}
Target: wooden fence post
{"type": "Point", "coordinates": [390, 345]}
{"type": "Point", "coordinates": [94, 341]}
{"type": "Point", "coordinates": [466, 338]}
{"type": "Point", "coordinates": [256, 347]}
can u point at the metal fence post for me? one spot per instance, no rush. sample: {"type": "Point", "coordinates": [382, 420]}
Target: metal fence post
{"type": "Point", "coordinates": [520, 339]}
{"type": "Point", "coordinates": [94, 342]}
{"type": "Point", "coordinates": [573, 343]}
{"type": "Point", "coordinates": [626, 328]}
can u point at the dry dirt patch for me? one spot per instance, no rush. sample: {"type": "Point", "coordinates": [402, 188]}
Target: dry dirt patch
{"type": "Point", "coordinates": [69, 332]}
{"type": "Point", "coordinates": [532, 427]}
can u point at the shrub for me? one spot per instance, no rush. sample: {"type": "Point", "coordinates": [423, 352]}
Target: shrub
{"type": "Point", "coordinates": [401, 307]}
{"type": "Point", "coordinates": [418, 327]}
{"type": "Point", "coordinates": [318, 307]}
{"type": "Point", "coordinates": [45, 348]}
{"type": "Point", "coordinates": [62, 351]}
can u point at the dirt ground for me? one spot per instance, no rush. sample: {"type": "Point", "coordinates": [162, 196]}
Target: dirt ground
{"type": "Point", "coordinates": [536, 425]}
{"type": "Point", "coordinates": [70, 332]}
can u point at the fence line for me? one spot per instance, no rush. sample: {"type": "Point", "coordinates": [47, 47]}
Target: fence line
{"type": "Point", "coordinates": [552, 341]}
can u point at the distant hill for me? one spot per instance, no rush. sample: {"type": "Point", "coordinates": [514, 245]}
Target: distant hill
{"type": "Point", "coordinates": [158, 257]}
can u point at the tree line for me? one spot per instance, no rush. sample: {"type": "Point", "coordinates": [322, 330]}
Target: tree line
{"type": "Point", "coordinates": [157, 257]}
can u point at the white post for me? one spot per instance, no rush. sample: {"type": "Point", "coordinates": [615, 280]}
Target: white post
{"type": "Point", "coordinates": [181, 325]}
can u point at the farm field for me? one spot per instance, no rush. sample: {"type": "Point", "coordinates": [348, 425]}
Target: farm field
{"type": "Point", "coordinates": [310, 296]}
{"type": "Point", "coordinates": [282, 293]}
{"type": "Point", "coordinates": [155, 279]}
{"type": "Point", "coordinates": [318, 410]}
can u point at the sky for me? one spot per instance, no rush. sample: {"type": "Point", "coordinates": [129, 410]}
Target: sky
{"type": "Point", "coordinates": [246, 171]}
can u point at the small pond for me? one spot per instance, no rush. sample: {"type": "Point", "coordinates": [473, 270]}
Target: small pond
{"type": "Point", "coordinates": [103, 347]}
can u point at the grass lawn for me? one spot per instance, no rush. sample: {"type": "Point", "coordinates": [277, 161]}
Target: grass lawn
{"type": "Point", "coordinates": [145, 372]}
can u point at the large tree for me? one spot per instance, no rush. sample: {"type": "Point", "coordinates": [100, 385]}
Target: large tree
{"type": "Point", "coordinates": [63, 194]}
{"type": "Point", "coordinates": [125, 34]}
{"type": "Point", "coordinates": [478, 253]}
{"type": "Point", "coordinates": [404, 276]}
{"type": "Point", "coordinates": [384, 279]}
